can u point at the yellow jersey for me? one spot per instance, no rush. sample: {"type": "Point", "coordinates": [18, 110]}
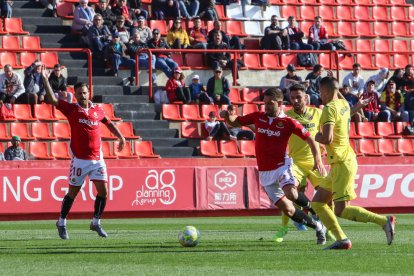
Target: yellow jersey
{"type": "Point", "coordinates": [299, 150]}
{"type": "Point", "coordinates": [338, 113]}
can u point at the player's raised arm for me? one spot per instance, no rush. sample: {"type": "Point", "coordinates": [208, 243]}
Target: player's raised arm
{"type": "Point", "coordinates": [115, 131]}
{"type": "Point", "coordinates": [318, 165]}
{"type": "Point", "coordinates": [231, 121]}
{"type": "Point", "coordinates": [49, 92]}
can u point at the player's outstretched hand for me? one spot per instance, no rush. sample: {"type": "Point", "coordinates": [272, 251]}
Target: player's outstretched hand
{"type": "Point", "coordinates": [121, 144]}
{"type": "Point", "coordinates": [363, 102]}
{"type": "Point", "coordinates": [320, 168]}
{"type": "Point", "coordinates": [45, 72]}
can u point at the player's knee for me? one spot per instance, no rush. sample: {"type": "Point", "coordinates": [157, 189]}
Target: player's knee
{"type": "Point", "coordinates": [291, 194]}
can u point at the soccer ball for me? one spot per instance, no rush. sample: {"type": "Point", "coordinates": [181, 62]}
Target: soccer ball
{"type": "Point", "coordinates": [189, 236]}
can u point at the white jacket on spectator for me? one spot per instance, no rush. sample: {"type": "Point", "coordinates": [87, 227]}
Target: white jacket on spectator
{"type": "Point", "coordinates": [16, 79]}
{"type": "Point", "coordinates": [356, 84]}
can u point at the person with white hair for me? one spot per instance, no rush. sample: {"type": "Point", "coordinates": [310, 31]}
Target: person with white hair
{"type": "Point", "coordinates": [82, 17]}
{"type": "Point", "coordinates": [380, 79]}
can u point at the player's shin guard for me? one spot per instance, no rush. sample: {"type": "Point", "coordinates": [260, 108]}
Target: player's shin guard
{"type": "Point", "coordinates": [328, 218]}
{"type": "Point", "coordinates": [285, 219]}
{"type": "Point", "coordinates": [66, 205]}
{"type": "Point", "coordinates": [300, 217]}
{"type": "Point", "coordinates": [303, 201]}
{"type": "Point", "coordinates": [360, 214]}
{"type": "Point", "coordinates": [100, 203]}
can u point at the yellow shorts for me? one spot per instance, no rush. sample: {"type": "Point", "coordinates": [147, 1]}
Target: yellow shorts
{"type": "Point", "coordinates": [341, 180]}
{"type": "Point", "coordinates": [303, 171]}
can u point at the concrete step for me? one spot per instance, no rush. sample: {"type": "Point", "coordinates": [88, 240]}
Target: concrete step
{"type": "Point", "coordinates": [98, 80]}
{"type": "Point", "coordinates": [26, 12]}
{"type": "Point", "coordinates": [42, 29]}
{"type": "Point", "coordinates": [26, 5]}
{"type": "Point", "coordinates": [68, 44]}
{"type": "Point", "coordinates": [96, 71]}
{"type": "Point", "coordinates": [58, 37]}
{"type": "Point", "coordinates": [157, 133]}
{"type": "Point", "coordinates": [71, 63]}
{"type": "Point", "coordinates": [115, 90]}
{"type": "Point", "coordinates": [169, 142]}
{"type": "Point", "coordinates": [124, 99]}
{"type": "Point", "coordinates": [73, 55]}
{"type": "Point", "coordinates": [149, 124]}
{"type": "Point", "coordinates": [41, 21]}
{"type": "Point", "coordinates": [176, 152]}
{"type": "Point", "coordinates": [140, 107]}
{"type": "Point", "coordinates": [132, 115]}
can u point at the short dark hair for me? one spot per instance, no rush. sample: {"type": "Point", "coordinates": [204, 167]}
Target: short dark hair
{"type": "Point", "coordinates": [370, 82]}
{"type": "Point", "coordinates": [317, 67]}
{"type": "Point", "coordinates": [230, 107]}
{"type": "Point", "coordinates": [318, 17]}
{"type": "Point", "coordinates": [330, 82]}
{"type": "Point", "coordinates": [356, 65]}
{"type": "Point", "coordinates": [408, 66]}
{"type": "Point", "coordinates": [80, 85]}
{"type": "Point", "coordinates": [297, 87]}
{"type": "Point", "coordinates": [275, 93]}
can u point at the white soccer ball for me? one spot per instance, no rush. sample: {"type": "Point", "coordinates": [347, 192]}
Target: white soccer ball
{"type": "Point", "coordinates": [189, 236]}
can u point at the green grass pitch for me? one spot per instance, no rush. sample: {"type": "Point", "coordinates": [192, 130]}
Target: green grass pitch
{"type": "Point", "coordinates": [229, 246]}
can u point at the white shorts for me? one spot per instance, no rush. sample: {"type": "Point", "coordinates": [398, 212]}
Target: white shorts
{"type": "Point", "coordinates": [79, 169]}
{"type": "Point", "coordinates": [274, 181]}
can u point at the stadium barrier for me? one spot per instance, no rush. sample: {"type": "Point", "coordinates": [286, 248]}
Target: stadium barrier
{"type": "Point", "coordinates": [162, 187]}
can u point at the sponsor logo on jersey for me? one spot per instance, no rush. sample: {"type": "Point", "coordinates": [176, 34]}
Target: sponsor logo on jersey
{"type": "Point", "coordinates": [268, 132]}
{"type": "Point", "coordinates": [88, 122]}
{"type": "Point", "coordinates": [280, 125]}
{"type": "Point", "coordinates": [95, 114]}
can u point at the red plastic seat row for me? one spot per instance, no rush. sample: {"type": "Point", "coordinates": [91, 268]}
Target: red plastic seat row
{"type": "Point", "coordinates": [26, 59]}
{"type": "Point", "coordinates": [26, 42]}
{"type": "Point", "coordinates": [126, 129]}
{"type": "Point", "coordinates": [383, 147]}
{"type": "Point", "coordinates": [340, 2]}
{"type": "Point", "coordinates": [227, 149]}
{"type": "Point", "coordinates": [377, 130]}
{"type": "Point", "coordinates": [190, 112]}
{"type": "Point", "coordinates": [12, 26]}
{"type": "Point", "coordinates": [142, 149]}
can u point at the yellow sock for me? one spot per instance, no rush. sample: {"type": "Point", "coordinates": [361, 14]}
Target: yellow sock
{"type": "Point", "coordinates": [329, 219]}
{"type": "Point", "coordinates": [360, 214]}
{"type": "Point", "coordinates": [285, 219]}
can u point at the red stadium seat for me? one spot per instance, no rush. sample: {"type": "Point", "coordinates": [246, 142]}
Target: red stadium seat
{"type": "Point", "coordinates": [287, 59]}
{"type": "Point", "coordinates": [39, 151]}
{"type": "Point", "coordinates": [190, 130]}
{"type": "Point", "coordinates": [61, 130]}
{"type": "Point", "coordinates": [23, 112]}
{"type": "Point", "coordinates": [8, 115]}
{"type": "Point", "coordinates": [230, 149]}
{"type": "Point", "coordinates": [234, 96]}
{"type": "Point", "coordinates": [252, 62]}
{"type": "Point", "coordinates": [365, 60]}
{"type": "Point", "coordinates": [387, 148]}
{"type": "Point", "coordinates": [400, 29]}
{"type": "Point", "coordinates": [160, 24]}
{"type": "Point", "coordinates": [171, 112]}
{"type": "Point", "coordinates": [411, 30]}
{"type": "Point", "coordinates": [251, 43]}
{"type": "Point", "coordinates": [380, 13]}
{"type": "Point", "coordinates": [381, 29]}
{"type": "Point", "coordinates": [64, 10]}
{"type": "Point", "coordinates": [127, 130]}
{"type": "Point", "coordinates": [42, 131]}
{"type": "Point", "coordinates": [27, 59]}
{"type": "Point", "coordinates": [399, 14]}
{"type": "Point", "coordinates": [31, 42]}
{"type": "Point", "coordinates": [9, 58]}
{"type": "Point", "coordinates": [247, 147]}
{"type": "Point", "coordinates": [346, 62]}
{"type": "Point", "coordinates": [307, 13]}
{"type": "Point", "coordinates": [252, 95]}
{"type": "Point", "coordinates": [345, 29]}
{"type": "Point", "coordinates": [364, 45]}
{"type": "Point", "coordinates": [191, 112]}
{"type": "Point", "coordinates": [195, 61]}
{"type": "Point", "coordinates": [405, 146]}
{"type": "Point", "coordinates": [400, 61]}
{"type": "Point", "coordinates": [14, 26]}
{"type": "Point", "coordinates": [271, 61]}
{"type": "Point", "coordinates": [144, 149]}
{"type": "Point", "coordinates": [305, 26]}
{"type": "Point", "coordinates": [105, 132]}
{"type": "Point", "coordinates": [330, 28]}
{"type": "Point", "coordinates": [49, 59]}
{"type": "Point", "coordinates": [399, 3]}
{"type": "Point", "coordinates": [106, 150]}
{"type": "Point", "coordinates": [382, 61]}
{"type": "Point", "coordinates": [2, 31]}
{"type": "Point", "coordinates": [399, 127]}
{"type": "Point", "coordinates": [400, 45]}
{"type": "Point", "coordinates": [345, 13]}
{"type": "Point", "coordinates": [364, 2]}
{"type": "Point", "coordinates": [411, 12]}
{"type": "Point", "coordinates": [44, 112]}
{"type": "Point", "coordinates": [179, 59]}
{"type": "Point", "coordinates": [204, 132]}
{"type": "Point", "coordinates": [60, 150]}
{"type": "Point", "coordinates": [368, 147]}
{"type": "Point", "coordinates": [288, 10]}
{"type": "Point", "coordinates": [386, 130]}
{"type": "Point", "coordinates": [363, 29]}
{"type": "Point", "coordinates": [380, 2]}
{"type": "Point", "coordinates": [345, 2]}
{"type": "Point", "coordinates": [209, 148]}
{"type": "Point", "coordinates": [207, 108]}
{"type": "Point", "coordinates": [125, 153]}
{"type": "Point", "coordinates": [382, 45]}
{"type": "Point", "coordinates": [362, 13]}
{"type": "Point", "coordinates": [327, 12]}
{"type": "Point", "coordinates": [367, 130]}
{"type": "Point", "coordinates": [249, 108]}
{"type": "Point", "coordinates": [4, 134]}
{"type": "Point", "coordinates": [11, 42]}
{"type": "Point", "coordinates": [58, 114]}
{"type": "Point", "coordinates": [354, 147]}
{"type": "Point", "coordinates": [109, 112]}
{"type": "Point", "coordinates": [221, 12]}
{"type": "Point", "coordinates": [352, 132]}
{"type": "Point", "coordinates": [235, 28]}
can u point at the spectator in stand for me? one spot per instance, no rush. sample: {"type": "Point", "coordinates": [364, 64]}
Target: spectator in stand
{"type": "Point", "coordinates": [233, 42]}
{"type": "Point", "coordinates": [133, 47]}
{"type": "Point", "coordinates": [218, 89]}
{"type": "Point", "coordinates": [33, 83]}
{"type": "Point", "coordinates": [116, 54]}
{"type": "Point", "coordinates": [352, 101]}
{"type": "Point", "coordinates": [289, 79]}
{"type": "Point", "coordinates": [217, 130]}
{"type": "Point", "coordinates": [296, 35]}
{"type": "Point", "coordinates": [222, 59]}
{"type": "Point", "coordinates": [196, 88]}
{"type": "Point", "coordinates": [59, 85]}
{"type": "Point", "coordinates": [392, 105]}
{"type": "Point", "coordinates": [82, 17]}
{"type": "Point", "coordinates": [172, 9]}
{"type": "Point", "coordinates": [122, 30]}
{"type": "Point", "coordinates": [197, 35]}
{"type": "Point", "coordinates": [176, 90]}
{"type": "Point", "coordinates": [380, 80]}
{"type": "Point", "coordinates": [11, 87]}
{"type": "Point", "coordinates": [99, 36]}
{"type": "Point", "coordinates": [318, 36]}
{"type": "Point", "coordinates": [6, 8]}
{"type": "Point", "coordinates": [398, 78]}
{"type": "Point", "coordinates": [408, 88]}
{"type": "Point", "coordinates": [158, 7]}
{"type": "Point", "coordinates": [177, 38]}
{"type": "Point", "coordinates": [50, 6]}
{"type": "Point", "coordinates": [208, 10]}
{"type": "Point", "coordinates": [372, 109]}
{"type": "Point", "coordinates": [314, 78]}
{"type": "Point", "coordinates": [145, 32]}
{"type": "Point", "coordinates": [238, 132]}
{"type": "Point", "coordinates": [128, 14]}
{"type": "Point", "coordinates": [355, 80]}
{"type": "Point", "coordinates": [15, 151]}
{"type": "Point", "coordinates": [163, 60]}
{"type": "Point", "coordinates": [275, 38]}
{"type": "Point", "coordinates": [189, 8]}
{"type": "Point", "coordinates": [105, 11]}
{"type": "Point", "coordinates": [136, 6]}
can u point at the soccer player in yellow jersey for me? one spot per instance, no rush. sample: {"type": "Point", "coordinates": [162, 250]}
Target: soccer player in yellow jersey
{"type": "Point", "coordinates": [339, 184]}
{"type": "Point", "coordinates": [299, 151]}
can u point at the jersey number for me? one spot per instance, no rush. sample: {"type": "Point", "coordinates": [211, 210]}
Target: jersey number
{"type": "Point", "coordinates": [76, 171]}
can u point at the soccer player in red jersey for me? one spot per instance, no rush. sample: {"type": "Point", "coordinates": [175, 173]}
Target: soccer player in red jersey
{"type": "Point", "coordinates": [273, 130]}
{"type": "Point", "coordinates": [87, 160]}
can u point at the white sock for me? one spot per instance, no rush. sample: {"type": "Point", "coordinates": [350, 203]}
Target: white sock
{"type": "Point", "coordinates": [62, 222]}
{"type": "Point", "coordinates": [318, 226]}
{"type": "Point", "coordinates": [96, 221]}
